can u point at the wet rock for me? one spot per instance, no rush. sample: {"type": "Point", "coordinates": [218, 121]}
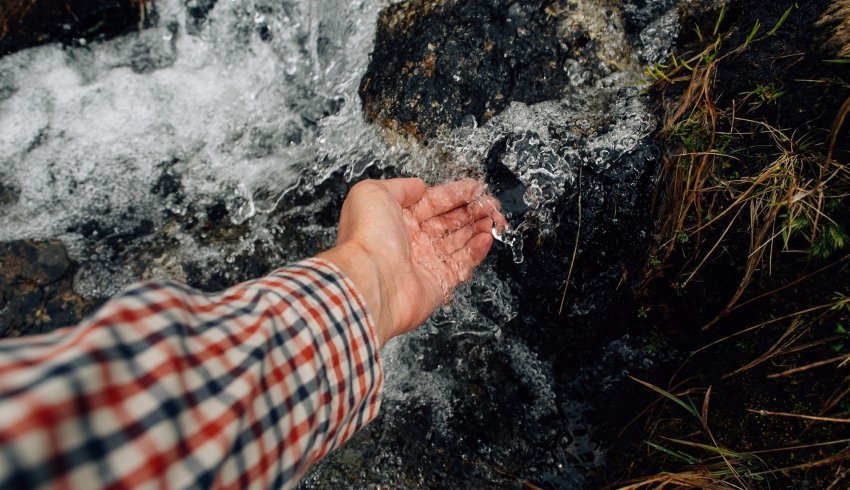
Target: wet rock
{"type": "Point", "coordinates": [656, 24]}
{"type": "Point", "coordinates": [576, 176]}
{"type": "Point", "coordinates": [568, 151]}
{"type": "Point", "coordinates": [7, 85]}
{"type": "Point", "coordinates": [154, 50]}
{"type": "Point", "coordinates": [40, 263]}
{"type": "Point", "coordinates": [114, 237]}
{"type": "Point", "coordinates": [211, 223]}
{"type": "Point", "coordinates": [659, 37]}
{"type": "Point", "coordinates": [502, 181]}
{"type": "Point", "coordinates": [36, 293]}
{"type": "Point", "coordinates": [9, 193]}
{"type": "Point", "coordinates": [25, 23]}
{"type": "Point", "coordinates": [638, 14]}
{"type": "Point", "coordinates": [169, 185]}
{"type": "Point", "coordinates": [198, 10]}
{"type": "Point", "coordinates": [437, 63]}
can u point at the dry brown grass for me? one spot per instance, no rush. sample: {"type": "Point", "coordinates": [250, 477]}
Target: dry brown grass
{"type": "Point", "coordinates": [735, 182]}
{"type": "Point", "coordinates": [701, 478]}
{"type": "Point", "coordinates": [780, 200]}
{"type": "Point", "coordinates": [11, 12]}
{"type": "Point", "coordinates": [838, 17]}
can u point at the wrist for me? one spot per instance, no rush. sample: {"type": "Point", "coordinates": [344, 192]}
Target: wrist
{"type": "Point", "coordinates": [362, 269]}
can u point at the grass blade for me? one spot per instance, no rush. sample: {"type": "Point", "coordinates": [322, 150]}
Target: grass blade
{"type": "Point", "coordinates": [753, 33]}
{"type": "Point", "coordinates": [691, 409]}
{"type": "Point", "coordinates": [719, 20]}
{"type": "Point", "coordinates": [714, 449]}
{"type": "Point", "coordinates": [781, 20]}
{"type": "Point", "coordinates": [682, 456]}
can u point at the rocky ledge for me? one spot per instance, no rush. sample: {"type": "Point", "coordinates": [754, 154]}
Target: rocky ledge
{"type": "Point", "coordinates": [438, 63]}
{"type": "Point", "coordinates": [36, 288]}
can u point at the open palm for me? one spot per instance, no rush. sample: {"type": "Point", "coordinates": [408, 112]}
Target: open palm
{"type": "Point", "coordinates": [423, 242]}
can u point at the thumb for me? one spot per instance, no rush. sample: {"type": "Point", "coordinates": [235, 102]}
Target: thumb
{"type": "Point", "coordinates": [406, 192]}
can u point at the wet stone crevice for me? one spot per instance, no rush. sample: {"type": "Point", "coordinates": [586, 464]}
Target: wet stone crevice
{"type": "Point", "coordinates": [9, 193]}
{"type": "Point", "coordinates": [198, 11]}
{"type": "Point", "coordinates": [36, 288]}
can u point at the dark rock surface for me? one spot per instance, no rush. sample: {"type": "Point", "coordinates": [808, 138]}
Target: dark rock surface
{"type": "Point", "coordinates": [7, 86]}
{"type": "Point", "coordinates": [638, 14]}
{"type": "Point", "coordinates": [36, 288]}
{"type": "Point", "coordinates": [600, 210]}
{"type": "Point", "coordinates": [9, 193]}
{"type": "Point", "coordinates": [571, 157]}
{"type": "Point", "coordinates": [198, 10]}
{"type": "Point", "coordinates": [29, 23]}
{"type": "Point", "coordinates": [438, 63]}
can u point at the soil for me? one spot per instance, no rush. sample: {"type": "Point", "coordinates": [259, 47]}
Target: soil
{"type": "Point", "coordinates": [791, 60]}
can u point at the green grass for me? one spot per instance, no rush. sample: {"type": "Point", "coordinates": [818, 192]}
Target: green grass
{"type": "Point", "coordinates": [763, 95]}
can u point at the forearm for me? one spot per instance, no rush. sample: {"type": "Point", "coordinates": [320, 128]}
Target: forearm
{"type": "Point", "coordinates": [167, 385]}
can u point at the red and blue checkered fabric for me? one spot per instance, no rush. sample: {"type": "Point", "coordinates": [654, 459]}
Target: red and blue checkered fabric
{"type": "Point", "coordinates": [167, 387]}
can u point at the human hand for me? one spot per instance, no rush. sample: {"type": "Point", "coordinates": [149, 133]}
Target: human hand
{"type": "Point", "coordinates": [407, 246]}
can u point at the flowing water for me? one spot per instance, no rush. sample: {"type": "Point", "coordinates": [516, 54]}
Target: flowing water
{"type": "Point", "coordinates": [219, 143]}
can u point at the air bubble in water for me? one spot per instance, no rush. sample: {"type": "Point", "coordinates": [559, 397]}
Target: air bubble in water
{"type": "Point", "coordinates": [510, 160]}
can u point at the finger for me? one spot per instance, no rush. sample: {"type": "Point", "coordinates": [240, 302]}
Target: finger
{"type": "Point", "coordinates": [446, 197]}
{"type": "Point", "coordinates": [467, 258]}
{"type": "Point", "coordinates": [460, 217]}
{"type": "Point", "coordinates": [405, 191]}
{"type": "Point", "coordinates": [492, 207]}
{"type": "Point", "coordinates": [458, 239]}
{"type": "Point", "coordinates": [500, 221]}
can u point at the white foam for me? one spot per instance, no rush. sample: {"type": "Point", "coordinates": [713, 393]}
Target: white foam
{"type": "Point", "coordinates": [83, 127]}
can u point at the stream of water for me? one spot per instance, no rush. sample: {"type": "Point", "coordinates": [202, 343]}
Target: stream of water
{"type": "Point", "coordinates": [205, 147]}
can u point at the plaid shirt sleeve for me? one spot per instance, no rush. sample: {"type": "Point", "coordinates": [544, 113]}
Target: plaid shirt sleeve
{"type": "Point", "coordinates": [166, 387]}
